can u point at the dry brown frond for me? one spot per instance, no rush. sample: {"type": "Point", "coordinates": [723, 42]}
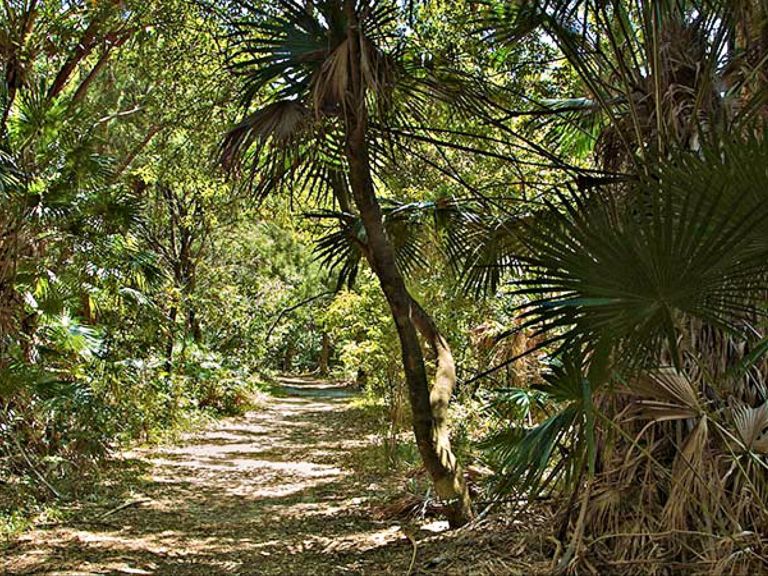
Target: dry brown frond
{"type": "Point", "coordinates": [692, 485]}
{"type": "Point", "coordinates": [280, 122]}
{"type": "Point", "coordinates": [752, 427]}
{"type": "Point", "coordinates": [667, 395]}
{"type": "Point", "coordinates": [331, 88]}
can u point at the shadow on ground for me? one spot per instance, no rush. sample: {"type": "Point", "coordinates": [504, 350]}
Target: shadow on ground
{"type": "Point", "coordinates": [274, 493]}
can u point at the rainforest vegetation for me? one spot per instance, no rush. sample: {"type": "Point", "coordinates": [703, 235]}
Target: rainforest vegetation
{"type": "Point", "coordinates": [384, 287]}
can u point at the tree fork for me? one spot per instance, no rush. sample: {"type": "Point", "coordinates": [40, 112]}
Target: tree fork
{"type": "Point", "coordinates": [439, 398]}
{"type": "Point", "coordinates": [430, 422]}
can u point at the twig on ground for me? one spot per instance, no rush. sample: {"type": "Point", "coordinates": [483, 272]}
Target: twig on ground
{"type": "Point", "coordinates": [34, 469]}
{"type": "Point", "coordinates": [123, 506]}
{"type": "Point", "coordinates": [415, 549]}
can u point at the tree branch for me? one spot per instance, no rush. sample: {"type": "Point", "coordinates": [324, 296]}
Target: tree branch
{"type": "Point", "coordinates": [292, 308]}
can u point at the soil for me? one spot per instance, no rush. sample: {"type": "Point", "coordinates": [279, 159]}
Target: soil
{"type": "Point", "coordinates": [288, 490]}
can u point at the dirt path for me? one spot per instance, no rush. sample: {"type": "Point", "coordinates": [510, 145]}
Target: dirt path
{"type": "Point", "coordinates": [280, 491]}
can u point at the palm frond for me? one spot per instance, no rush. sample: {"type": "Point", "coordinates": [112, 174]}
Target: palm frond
{"type": "Point", "coordinates": [344, 247]}
{"type": "Point", "coordinates": [630, 274]}
{"type": "Point", "coordinates": [283, 123]}
{"type": "Point", "coordinates": [574, 126]}
{"type": "Point", "coordinates": [492, 252]}
{"type": "Point", "coordinates": [529, 460]}
{"type": "Point", "coordinates": [667, 395]}
{"type": "Point", "coordinates": [752, 427]}
{"type": "Point", "coordinates": [654, 70]}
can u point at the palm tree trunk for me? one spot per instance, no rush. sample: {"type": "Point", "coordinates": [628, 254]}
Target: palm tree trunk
{"type": "Point", "coordinates": [430, 422]}
{"type": "Point", "coordinates": [439, 399]}
{"type": "Point", "coordinates": [430, 409]}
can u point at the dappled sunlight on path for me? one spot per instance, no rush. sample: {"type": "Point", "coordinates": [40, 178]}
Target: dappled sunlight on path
{"type": "Point", "coordinates": [275, 492]}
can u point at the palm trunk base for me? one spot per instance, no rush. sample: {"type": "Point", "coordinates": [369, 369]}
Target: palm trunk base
{"type": "Point", "coordinates": [460, 512]}
{"type": "Point", "coordinates": [447, 476]}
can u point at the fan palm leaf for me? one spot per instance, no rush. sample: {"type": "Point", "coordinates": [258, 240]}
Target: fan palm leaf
{"type": "Point", "coordinates": [530, 460]}
{"type": "Point", "coordinates": [414, 228]}
{"type": "Point", "coordinates": [752, 427]}
{"type": "Point", "coordinates": [631, 277]}
{"type": "Point", "coordinates": [656, 71]}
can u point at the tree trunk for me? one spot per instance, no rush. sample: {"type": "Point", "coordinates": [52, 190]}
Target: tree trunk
{"type": "Point", "coordinates": [361, 379]}
{"type": "Point", "coordinates": [81, 52]}
{"type": "Point", "coordinates": [325, 355]}
{"type": "Point", "coordinates": [86, 308]}
{"type": "Point", "coordinates": [439, 399]}
{"type": "Point", "coordinates": [430, 408]}
{"type": "Point", "coordinates": [290, 352]}
{"type": "Point", "coordinates": [194, 325]}
{"type": "Point", "coordinates": [171, 335]}
{"type": "Point", "coordinates": [430, 422]}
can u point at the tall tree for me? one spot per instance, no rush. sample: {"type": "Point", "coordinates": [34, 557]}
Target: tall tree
{"type": "Point", "coordinates": [651, 288]}
{"type": "Point", "coordinates": [325, 84]}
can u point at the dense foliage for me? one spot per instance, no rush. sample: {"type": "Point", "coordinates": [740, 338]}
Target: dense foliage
{"type": "Point", "coordinates": [553, 211]}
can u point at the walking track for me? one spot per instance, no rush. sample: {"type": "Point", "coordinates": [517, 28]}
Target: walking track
{"type": "Point", "coordinates": [280, 491]}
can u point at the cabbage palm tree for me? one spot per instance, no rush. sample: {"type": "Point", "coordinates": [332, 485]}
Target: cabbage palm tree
{"type": "Point", "coordinates": [651, 289]}
{"type": "Point", "coordinates": [324, 85]}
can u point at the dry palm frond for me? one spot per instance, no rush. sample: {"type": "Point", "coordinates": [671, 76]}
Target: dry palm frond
{"type": "Point", "coordinates": [330, 86]}
{"type": "Point", "coordinates": [691, 483]}
{"type": "Point", "coordinates": [282, 122]}
{"type": "Point", "coordinates": [752, 427]}
{"type": "Point", "coordinates": [379, 73]}
{"type": "Point", "coordinates": [670, 492]}
{"type": "Point", "coordinates": [667, 395]}
{"type": "Point", "coordinates": [407, 507]}
{"type": "Point", "coordinates": [522, 369]}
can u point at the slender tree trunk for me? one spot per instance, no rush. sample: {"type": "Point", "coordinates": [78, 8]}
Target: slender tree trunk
{"type": "Point", "coordinates": [430, 422]}
{"type": "Point", "coordinates": [325, 355]}
{"type": "Point", "coordinates": [126, 163]}
{"type": "Point", "coordinates": [28, 331]}
{"type": "Point", "coordinates": [439, 399]}
{"type": "Point", "coordinates": [83, 50]}
{"type": "Point", "coordinates": [82, 89]}
{"type": "Point", "coordinates": [7, 105]}
{"type": "Point", "coordinates": [13, 70]}
{"type": "Point", "coordinates": [361, 379]}
{"type": "Point", "coordinates": [169, 345]}
{"type": "Point", "coordinates": [194, 325]}
{"type": "Point", "coordinates": [290, 352]}
{"type": "Point", "coordinates": [430, 408]}
{"type": "Point", "coordinates": [86, 308]}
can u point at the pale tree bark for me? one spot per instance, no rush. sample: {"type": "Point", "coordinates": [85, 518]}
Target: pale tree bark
{"type": "Point", "coordinates": [439, 399]}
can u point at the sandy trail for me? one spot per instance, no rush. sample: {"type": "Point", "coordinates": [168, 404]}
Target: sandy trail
{"type": "Point", "coordinates": [279, 491]}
